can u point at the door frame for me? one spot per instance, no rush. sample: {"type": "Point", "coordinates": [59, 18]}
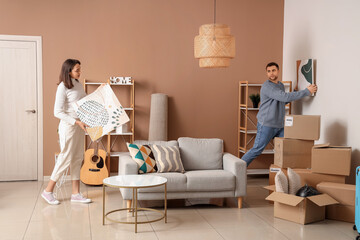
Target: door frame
{"type": "Point", "coordinates": [39, 83]}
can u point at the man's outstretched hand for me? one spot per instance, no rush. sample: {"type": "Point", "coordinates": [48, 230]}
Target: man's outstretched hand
{"type": "Point", "coordinates": [312, 88]}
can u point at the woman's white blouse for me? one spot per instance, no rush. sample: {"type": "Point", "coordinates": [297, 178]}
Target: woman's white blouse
{"type": "Point", "coordinates": [65, 98]}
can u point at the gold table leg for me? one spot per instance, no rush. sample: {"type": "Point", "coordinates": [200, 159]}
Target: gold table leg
{"type": "Point", "coordinates": [133, 199]}
{"type": "Point", "coordinates": [165, 204]}
{"type": "Point", "coordinates": [136, 203]}
{"type": "Point", "coordinates": [103, 204]}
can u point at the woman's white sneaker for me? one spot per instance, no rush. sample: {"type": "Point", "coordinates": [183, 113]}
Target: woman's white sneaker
{"type": "Point", "coordinates": [79, 198]}
{"type": "Point", "coordinates": [49, 197]}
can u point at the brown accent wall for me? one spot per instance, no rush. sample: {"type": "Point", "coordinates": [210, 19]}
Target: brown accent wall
{"type": "Point", "coordinates": [152, 41]}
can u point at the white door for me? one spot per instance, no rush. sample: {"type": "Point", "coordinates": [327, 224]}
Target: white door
{"type": "Point", "coordinates": [19, 111]}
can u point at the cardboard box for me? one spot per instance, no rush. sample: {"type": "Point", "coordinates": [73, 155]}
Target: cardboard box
{"type": "Point", "coordinates": [343, 193]}
{"type": "Point", "coordinates": [341, 212]}
{"type": "Point", "coordinates": [331, 159]}
{"type": "Point", "coordinates": [305, 127]}
{"type": "Point", "coordinates": [292, 153]}
{"type": "Point", "coordinates": [307, 176]}
{"type": "Point", "coordinates": [298, 209]}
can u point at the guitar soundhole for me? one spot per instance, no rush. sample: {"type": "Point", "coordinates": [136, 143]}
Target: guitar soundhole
{"type": "Point", "coordinates": [100, 164]}
{"type": "Point", "coordinates": [94, 158]}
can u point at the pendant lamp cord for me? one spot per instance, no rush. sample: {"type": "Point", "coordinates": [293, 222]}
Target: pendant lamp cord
{"type": "Point", "coordinates": [214, 38]}
{"type": "Point", "coordinates": [214, 12]}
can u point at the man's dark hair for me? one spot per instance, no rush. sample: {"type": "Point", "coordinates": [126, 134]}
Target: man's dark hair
{"type": "Point", "coordinates": [270, 64]}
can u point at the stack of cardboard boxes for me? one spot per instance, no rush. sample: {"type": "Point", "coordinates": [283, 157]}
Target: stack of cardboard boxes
{"type": "Point", "coordinates": [321, 166]}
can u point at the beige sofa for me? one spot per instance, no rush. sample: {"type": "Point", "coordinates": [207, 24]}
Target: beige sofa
{"type": "Point", "coordinates": [209, 172]}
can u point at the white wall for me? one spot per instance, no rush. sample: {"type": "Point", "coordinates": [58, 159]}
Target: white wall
{"type": "Point", "coordinates": [329, 32]}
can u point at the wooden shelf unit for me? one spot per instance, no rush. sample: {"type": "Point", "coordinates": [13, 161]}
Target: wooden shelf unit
{"type": "Point", "coordinates": [131, 113]}
{"type": "Point", "coordinates": [244, 118]}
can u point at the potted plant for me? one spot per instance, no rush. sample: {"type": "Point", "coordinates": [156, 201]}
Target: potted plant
{"type": "Point", "coordinates": [255, 98]}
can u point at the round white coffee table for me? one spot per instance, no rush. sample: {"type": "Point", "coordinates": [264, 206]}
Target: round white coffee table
{"type": "Point", "coordinates": [135, 182]}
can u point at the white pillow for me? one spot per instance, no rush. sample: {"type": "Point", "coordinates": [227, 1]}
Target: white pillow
{"type": "Point", "coordinates": [294, 181]}
{"type": "Point", "coordinates": [281, 183]}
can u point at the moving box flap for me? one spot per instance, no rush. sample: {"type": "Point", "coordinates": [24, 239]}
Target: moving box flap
{"type": "Point", "coordinates": [345, 147]}
{"type": "Point", "coordinates": [271, 188]}
{"type": "Point", "coordinates": [325, 145]}
{"type": "Point", "coordinates": [285, 198]}
{"type": "Point", "coordinates": [322, 200]}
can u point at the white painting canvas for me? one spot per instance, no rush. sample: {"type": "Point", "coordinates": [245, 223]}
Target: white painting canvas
{"type": "Point", "coordinates": [305, 74]}
{"type": "Point", "coordinates": [101, 111]}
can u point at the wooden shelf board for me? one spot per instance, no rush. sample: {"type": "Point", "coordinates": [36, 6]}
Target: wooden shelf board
{"type": "Point", "coordinates": [249, 108]}
{"type": "Point", "coordinates": [266, 151]}
{"type": "Point", "coordinates": [122, 84]}
{"type": "Point", "coordinates": [116, 154]}
{"type": "Point", "coordinates": [119, 134]}
{"type": "Point", "coordinates": [249, 131]}
{"type": "Point", "coordinates": [257, 171]}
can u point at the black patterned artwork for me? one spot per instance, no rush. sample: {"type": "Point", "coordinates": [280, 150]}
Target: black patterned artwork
{"type": "Point", "coordinates": [93, 114]}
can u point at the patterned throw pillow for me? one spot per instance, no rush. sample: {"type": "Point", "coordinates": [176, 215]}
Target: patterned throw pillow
{"type": "Point", "coordinates": [167, 158]}
{"type": "Point", "coordinates": [143, 156]}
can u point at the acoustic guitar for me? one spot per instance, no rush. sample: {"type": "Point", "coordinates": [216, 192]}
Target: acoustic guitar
{"type": "Point", "coordinates": [94, 169]}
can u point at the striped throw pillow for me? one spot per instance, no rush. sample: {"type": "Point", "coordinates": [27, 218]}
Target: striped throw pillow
{"type": "Point", "coordinates": [167, 158]}
{"type": "Point", "coordinates": [143, 156]}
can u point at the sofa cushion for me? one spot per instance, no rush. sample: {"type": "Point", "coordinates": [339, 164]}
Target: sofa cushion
{"type": "Point", "coordinates": [167, 158]}
{"type": "Point", "coordinates": [210, 180]}
{"type": "Point", "coordinates": [201, 154]}
{"type": "Point", "coordinates": [162, 143]}
{"type": "Point", "coordinates": [143, 156]}
{"type": "Point", "coordinates": [176, 183]}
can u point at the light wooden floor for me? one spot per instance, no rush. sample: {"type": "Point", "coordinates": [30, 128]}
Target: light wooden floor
{"type": "Point", "coordinates": [25, 215]}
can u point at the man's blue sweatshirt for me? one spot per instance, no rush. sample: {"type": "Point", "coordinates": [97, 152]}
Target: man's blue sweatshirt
{"type": "Point", "coordinates": [273, 99]}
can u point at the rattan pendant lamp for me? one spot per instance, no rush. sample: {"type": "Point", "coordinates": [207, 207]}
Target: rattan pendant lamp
{"type": "Point", "coordinates": [214, 46]}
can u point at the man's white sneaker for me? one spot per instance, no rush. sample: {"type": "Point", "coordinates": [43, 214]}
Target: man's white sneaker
{"type": "Point", "coordinates": [49, 197]}
{"type": "Point", "coordinates": [79, 198]}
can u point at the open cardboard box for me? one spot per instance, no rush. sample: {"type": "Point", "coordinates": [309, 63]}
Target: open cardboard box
{"type": "Point", "coordinates": [298, 209]}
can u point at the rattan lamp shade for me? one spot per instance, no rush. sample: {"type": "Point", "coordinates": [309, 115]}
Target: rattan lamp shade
{"type": "Point", "coordinates": [214, 46]}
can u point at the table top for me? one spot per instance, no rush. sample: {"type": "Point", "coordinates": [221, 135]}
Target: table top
{"type": "Point", "coordinates": [132, 181]}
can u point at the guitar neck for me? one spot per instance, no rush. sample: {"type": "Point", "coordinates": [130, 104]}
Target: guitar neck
{"type": "Point", "coordinates": [96, 148]}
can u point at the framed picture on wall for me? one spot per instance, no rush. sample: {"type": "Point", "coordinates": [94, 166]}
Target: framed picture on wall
{"type": "Point", "coordinates": [305, 74]}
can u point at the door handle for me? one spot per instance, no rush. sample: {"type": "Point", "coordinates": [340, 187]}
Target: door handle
{"type": "Point", "coordinates": [31, 111]}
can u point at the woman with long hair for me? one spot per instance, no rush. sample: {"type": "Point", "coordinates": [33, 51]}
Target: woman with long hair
{"type": "Point", "coordinates": [71, 132]}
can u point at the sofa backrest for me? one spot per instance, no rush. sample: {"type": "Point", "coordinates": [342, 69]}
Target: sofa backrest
{"type": "Point", "coordinates": [161, 143]}
{"type": "Point", "coordinates": [201, 153]}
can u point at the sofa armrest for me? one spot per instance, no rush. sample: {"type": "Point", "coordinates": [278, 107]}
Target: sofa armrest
{"type": "Point", "coordinates": [237, 167]}
{"type": "Point", "coordinates": [127, 165]}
